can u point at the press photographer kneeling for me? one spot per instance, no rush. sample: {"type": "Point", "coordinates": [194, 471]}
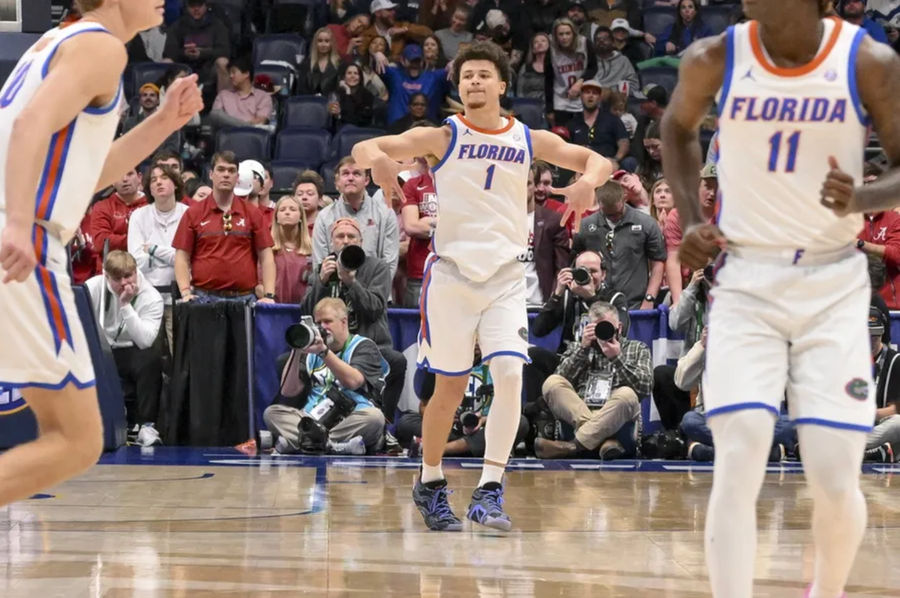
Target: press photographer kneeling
{"type": "Point", "coordinates": [329, 388]}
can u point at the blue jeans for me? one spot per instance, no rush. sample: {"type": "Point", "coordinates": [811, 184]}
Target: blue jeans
{"type": "Point", "coordinates": [694, 428]}
{"type": "Point", "coordinates": [202, 296]}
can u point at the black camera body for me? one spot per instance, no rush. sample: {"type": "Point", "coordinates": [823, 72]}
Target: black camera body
{"type": "Point", "coordinates": [303, 334]}
{"type": "Point", "coordinates": [325, 416]}
{"type": "Point", "coordinates": [581, 276]}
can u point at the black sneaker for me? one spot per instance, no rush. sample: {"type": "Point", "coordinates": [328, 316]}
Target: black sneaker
{"type": "Point", "coordinates": [880, 454]}
{"type": "Point", "coordinates": [700, 452]}
{"type": "Point", "coordinates": [431, 500]}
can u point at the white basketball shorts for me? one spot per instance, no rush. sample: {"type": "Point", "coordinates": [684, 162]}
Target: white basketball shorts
{"type": "Point", "coordinates": [455, 310]}
{"type": "Point", "coordinates": [43, 341]}
{"type": "Point", "coordinates": [779, 327]}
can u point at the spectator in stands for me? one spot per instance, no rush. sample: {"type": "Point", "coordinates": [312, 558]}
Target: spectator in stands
{"type": "Point", "coordinates": [152, 230]}
{"type": "Point", "coordinates": [607, 12]}
{"type": "Point", "coordinates": [542, 174]}
{"type": "Point", "coordinates": [530, 82]}
{"type": "Point", "coordinates": [599, 129]}
{"type": "Point", "coordinates": [569, 223]}
{"type": "Point", "coordinates": [635, 194]}
{"type": "Point", "coordinates": [129, 312]}
{"type": "Point", "coordinates": [318, 73]}
{"type": "Point", "coordinates": [635, 48]}
{"type": "Point", "coordinates": [433, 54]}
{"type": "Point", "coordinates": [365, 293]}
{"type": "Point", "coordinates": [675, 274]}
{"type": "Point", "coordinates": [547, 252]}
{"type": "Point", "coordinates": [371, 67]}
{"type": "Point", "coordinates": [465, 439]}
{"type": "Point", "coordinates": [220, 241]}
{"type": "Point", "coordinates": [347, 362]}
{"type": "Point", "coordinates": [148, 98]}
{"type": "Point", "coordinates": [661, 202]}
{"type": "Point", "coordinates": [883, 442]}
{"type": "Point", "coordinates": [170, 158]}
{"type": "Point", "coordinates": [411, 78]}
{"type": "Point", "coordinates": [457, 33]}
{"type": "Point", "coordinates": [854, 11]}
{"type": "Point", "coordinates": [292, 249]}
{"type": "Point", "coordinates": [147, 46]}
{"type": "Point", "coordinates": [81, 247]}
{"type": "Point", "coordinates": [438, 14]}
{"type": "Point", "coordinates": [348, 36]}
{"type": "Point", "coordinates": [242, 104]}
{"type": "Point", "coordinates": [631, 244]}
{"type": "Point", "coordinates": [688, 26]}
{"type": "Point", "coordinates": [202, 42]}
{"type": "Point", "coordinates": [355, 103]}
{"type": "Point", "coordinates": [201, 193]}
{"type": "Point", "coordinates": [880, 239]}
{"type": "Point", "coordinates": [420, 216]}
{"type": "Point", "coordinates": [569, 62]}
{"type": "Point", "coordinates": [597, 389]}
{"type": "Point", "coordinates": [612, 66]}
{"type": "Point", "coordinates": [308, 189]}
{"type": "Point", "coordinates": [418, 109]}
{"type": "Point", "coordinates": [514, 14]}
{"type": "Point", "coordinates": [257, 193]}
{"type": "Point", "coordinates": [380, 236]}
{"type": "Point", "coordinates": [650, 167]}
{"type": "Point", "coordinates": [109, 217]}
{"type": "Point", "coordinates": [542, 13]}
{"type": "Point", "coordinates": [396, 33]}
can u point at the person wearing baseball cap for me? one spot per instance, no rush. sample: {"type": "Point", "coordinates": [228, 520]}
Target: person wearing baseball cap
{"type": "Point", "coordinates": [598, 128]}
{"type": "Point", "coordinates": [883, 442]}
{"type": "Point", "coordinates": [397, 33]}
{"type": "Point", "coordinates": [411, 78]}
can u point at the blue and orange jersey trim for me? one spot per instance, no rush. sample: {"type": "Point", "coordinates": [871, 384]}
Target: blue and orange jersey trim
{"type": "Point", "coordinates": [51, 176]}
{"type": "Point", "coordinates": [760, 55]}
{"type": "Point", "coordinates": [46, 279]}
{"type": "Point", "coordinates": [424, 328]}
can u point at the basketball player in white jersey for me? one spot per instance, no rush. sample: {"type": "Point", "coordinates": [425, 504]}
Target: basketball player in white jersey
{"type": "Point", "coordinates": [58, 116]}
{"type": "Point", "coordinates": [473, 282]}
{"type": "Point", "coordinates": [795, 91]}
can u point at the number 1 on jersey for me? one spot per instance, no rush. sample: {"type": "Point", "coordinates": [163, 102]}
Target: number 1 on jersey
{"type": "Point", "coordinates": [490, 177]}
{"type": "Point", "coordinates": [793, 143]}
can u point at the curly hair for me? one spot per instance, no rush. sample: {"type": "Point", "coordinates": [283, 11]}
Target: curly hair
{"type": "Point", "coordinates": [483, 51]}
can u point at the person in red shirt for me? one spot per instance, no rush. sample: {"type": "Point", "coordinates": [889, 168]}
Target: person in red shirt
{"type": "Point", "coordinates": [110, 216]}
{"type": "Point", "coordinates": [81, 248]}
{"type": "Point", "coordinates": [880, 239]}
{"type": "Point", "coordinates": [348, 35]}
{"type": "Point", "coordinates": [675, 274]}
{"type": "Point", "coordinates": [219, 242]}
{"type": "Point", "coordinates": [543, 187]}
{"type": "Point", "coordinates": [419, 215]}
{"type": "Point", "coordinates": [292, 249]}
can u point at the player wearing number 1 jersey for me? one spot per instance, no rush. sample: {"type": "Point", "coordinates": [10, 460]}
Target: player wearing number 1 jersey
{"type": "Point", "coordinates": [795, 92]}
{"type": "Point", "coordinates": [58, 117]}
{"type": "Point", "coordinates": [473, 283]}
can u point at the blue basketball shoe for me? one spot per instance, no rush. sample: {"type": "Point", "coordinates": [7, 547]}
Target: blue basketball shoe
{"type": "Point", "coordinates": [431, 499]}
{"type": "Point", "coordinates": [486, 507]}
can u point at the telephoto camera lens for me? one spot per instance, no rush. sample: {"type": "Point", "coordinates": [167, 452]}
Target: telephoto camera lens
{"type": "Point", "coordinates": [303, 334]}
{"type": "Point", "coordinates": [352, 257]}
{"type": "Point", "coordinates": [709, 273]}
{"type": "Point", "coordinates": [581, 276]}
{"type": "Point", "coordinates": [604, 331]}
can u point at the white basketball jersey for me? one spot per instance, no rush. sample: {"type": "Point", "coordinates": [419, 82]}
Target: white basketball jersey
{"type": "Point", "coordinates": [77, 152]}
{"type": "Point", "coordinates": [482, 188]}
{"type": "Point", "coordinates": [777, 128]}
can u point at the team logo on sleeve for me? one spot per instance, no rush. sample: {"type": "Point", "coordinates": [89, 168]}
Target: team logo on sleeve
{"type": "Point", "coordinates": [858, 389]}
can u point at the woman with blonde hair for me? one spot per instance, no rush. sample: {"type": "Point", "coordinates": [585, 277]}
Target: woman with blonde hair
{"type": "Point", "coordinates": [292, 249]}
{"type": "Point", "coordinates": [661, 201]}
{"type": "Point", "coordinates": [569, 62]}
{"type": "Point", "coordinates": [319, 70]}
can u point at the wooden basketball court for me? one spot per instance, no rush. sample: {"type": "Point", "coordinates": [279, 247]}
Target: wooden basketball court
{"type": "Point", "coordinates": [202, 523]}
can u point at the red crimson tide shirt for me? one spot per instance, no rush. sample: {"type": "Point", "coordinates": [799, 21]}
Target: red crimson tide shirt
{"type": "Point", "coordinates": [222, 259]}
{"type": "Point", "coordinates": [419, 191]}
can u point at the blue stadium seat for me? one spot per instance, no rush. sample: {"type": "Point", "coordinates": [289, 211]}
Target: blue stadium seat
{"type": "Point", "coordinates": [279, 47]}
{"type": "Point", "coordinates": [147, 72]}
{"type": "Point", "coordinates": [327, 172]}
{"type": "Point", "coordinates": [348, 136]}
{"type": "Point", "coordinates": [718, 18]}
{"type": "Point", "coordinates": [664, 76]}
{"type": "Point", "coordinates": [305, 111]}
{"type": "Point", "coordinates": [309, 145]}
{"type": "Point", "coordinates": [530, 111]}
{"type": "Point", "coordinates": [285, 171]}
{"type": "Point", "coordinates": [247, 143]}
{"type": "Point", "coordinates": [281, 76]}
{"type": "Point", "coordinates": [657, 18]}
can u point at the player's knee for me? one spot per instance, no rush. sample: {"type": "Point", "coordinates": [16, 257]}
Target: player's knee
{"type": "Point", "coordinates": [506, 369]}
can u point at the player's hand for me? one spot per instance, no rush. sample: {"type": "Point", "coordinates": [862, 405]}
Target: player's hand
{"type": "Point", "coordinates": [183, 100]}
{"type": "Point", "coordinates": [329, 267]}
{"type": "Point", "coordinates": [701, 243]}
{"type": "Point", "coordinates": [17, 257]}
{"type": "Point", "coordinates": [384, 174]}
{"type": "Point", "coordinates": [838, 190]}
{"type": "Point", "coordinates": [579, 198]}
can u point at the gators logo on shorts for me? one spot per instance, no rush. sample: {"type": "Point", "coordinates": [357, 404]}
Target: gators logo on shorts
{"type": "Point", "coordinates": [523, 332]}
{"type": "Point", "coordinates": [858, 389]}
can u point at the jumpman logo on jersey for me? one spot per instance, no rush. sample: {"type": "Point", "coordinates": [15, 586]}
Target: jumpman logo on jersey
{"type": "Point", "coordinates": [467, 132]}
{"type": "Point", "coordinates": [749, 74]}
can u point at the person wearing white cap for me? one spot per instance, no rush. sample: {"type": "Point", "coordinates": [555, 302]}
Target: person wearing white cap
{"type": "Point", "coordinates": [397, 33]}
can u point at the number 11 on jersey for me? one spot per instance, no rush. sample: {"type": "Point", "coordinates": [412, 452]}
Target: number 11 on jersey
{"type": "Point", "coordinates": [793, 144]}
{"type": "Point", "coordinates": [490, 177]}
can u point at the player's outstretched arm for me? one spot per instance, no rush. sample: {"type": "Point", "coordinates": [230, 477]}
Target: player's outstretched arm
{"type": "Point", "coordinates": [878, 82]}
{"type": "Point", "coordinates": [700, 77]}
{"type": "Point", "coordinates": [183, 100]}
{"type": "Point", "coordinates": [384, 154]}
{"type": "Point", "coordinates": [85, 68]}
{"type": "Point", "coordinates": [594, 168]}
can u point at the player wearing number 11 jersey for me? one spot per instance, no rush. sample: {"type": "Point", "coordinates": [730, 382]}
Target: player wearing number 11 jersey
{"type": "Point", "coordinates": [473, 283]}
{"type": "Point", "coordinates": [795, 91]}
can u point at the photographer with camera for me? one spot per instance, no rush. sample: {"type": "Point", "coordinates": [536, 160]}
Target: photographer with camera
{"type": "Point", "coordinates": [466, 437]}
{"type": "Point", "coordinates": [329, 388]}
{"type": "Point", "coordinates": [597, 388]}
{"type": "Point", "coordinates": [363, 283]}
